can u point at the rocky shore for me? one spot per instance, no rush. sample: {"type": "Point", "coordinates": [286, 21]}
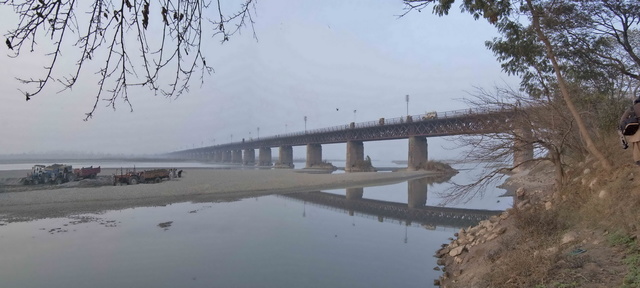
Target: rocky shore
{"type": "Point", "coordinates": [549, 239]}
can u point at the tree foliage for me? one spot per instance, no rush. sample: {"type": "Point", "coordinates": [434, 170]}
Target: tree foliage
{"type": "Point", "coordinates": [135, 42]}
{"type": "Point", "coordinates": [565, 49]}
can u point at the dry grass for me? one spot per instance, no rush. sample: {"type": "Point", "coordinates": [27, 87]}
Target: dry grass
{"type": "Point", "coordinates": [597, 203]}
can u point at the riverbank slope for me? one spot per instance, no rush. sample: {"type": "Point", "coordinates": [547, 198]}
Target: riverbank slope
{"type": "Point", "coordinates": [583, 235]}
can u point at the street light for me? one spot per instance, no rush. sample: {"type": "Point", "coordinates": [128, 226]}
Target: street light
{"type": "Point", "coordinates": [407, 99]}
{"type": "Point", "coordinates": [258, 133]}
{"type": "Point", "coordinates": [305, 124]}
{"type": "Point", "coordinates": [231, 141]}
{"type": "Point", "coordinates": [354, 115]}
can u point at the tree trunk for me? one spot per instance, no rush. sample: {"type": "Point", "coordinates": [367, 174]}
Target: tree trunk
{"type": "Point", "coordinates": [582, 127]}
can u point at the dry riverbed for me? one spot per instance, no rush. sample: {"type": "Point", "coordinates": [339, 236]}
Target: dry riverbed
{"type": "Point", "coordinates": [21, 203]}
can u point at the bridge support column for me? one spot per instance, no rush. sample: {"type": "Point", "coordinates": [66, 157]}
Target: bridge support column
{"type": "Point", "coordinates": [522, 148]}
{"type": "Point", "coordinates": [217, 156]}
{"type": "Point", "coordinates": [417, 193]}
{"type": "Point", "coordinates": [355, 155]}
{"type": "Point", "coordinates": [314, 155]}
{"type": "Point", "coordinates": [236, 156]}
{"type": "Point", "coordinates": [418, 153]}
{"type": "Point", "coordinates": [226, 156]}
{"type": "Point", "coordinates": [264, 156]}
{"type": "Point", "coordinates": [249, 157]}
{"type": "Point", "coordinates": [355, 193]}
{"type": "Point", "coordinates": [285, 156]}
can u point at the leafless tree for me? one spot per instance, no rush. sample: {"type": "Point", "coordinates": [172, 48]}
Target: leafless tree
{"type": "Point", "coordinates": [540, 124]}
{"type": "Point", "coordinates": [136, 42]}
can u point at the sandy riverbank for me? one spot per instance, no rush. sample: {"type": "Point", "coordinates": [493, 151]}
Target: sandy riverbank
{"type": "Point", "coordinates": [197, 185]}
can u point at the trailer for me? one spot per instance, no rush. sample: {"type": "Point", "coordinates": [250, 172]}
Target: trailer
{"type": "Point", "coordinates": [155, 176]}
{"type": "Point", "coordinates": [86, 172]}
{"type": "Point", "coordinates": [133, 177]}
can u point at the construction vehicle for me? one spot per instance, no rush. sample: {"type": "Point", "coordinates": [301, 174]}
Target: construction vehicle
{"type": "Point", "coordinates": [86, 172]}
{"type": "Point", "coordinates": [129, 177]}
{"type": "Point", "coordinates": [56, 173]}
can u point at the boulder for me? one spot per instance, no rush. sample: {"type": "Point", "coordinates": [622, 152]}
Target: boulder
{"type": "Point", "coordinates": [457, 251]}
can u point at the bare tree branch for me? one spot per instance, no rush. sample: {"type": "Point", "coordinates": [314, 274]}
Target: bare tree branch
{"type": "Point", "coordinates": [116, 32]}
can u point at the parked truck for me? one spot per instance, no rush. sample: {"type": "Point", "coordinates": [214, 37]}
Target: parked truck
{"type": "Point", "coordinates": [86, 172]}
{"type": "Point", "coordinates": [56, 173]}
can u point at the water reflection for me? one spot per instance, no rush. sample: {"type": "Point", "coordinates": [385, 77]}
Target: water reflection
{"type": "Point", "coordinates": [247, 243]}
{"type": "Point", "coordinates": [415, 210]}
{"type": "Point", "coordinates": [259, 242]}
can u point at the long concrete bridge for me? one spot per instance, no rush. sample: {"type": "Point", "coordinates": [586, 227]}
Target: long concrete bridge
{"type": "Point", "coordinates": [415, 210]}
{"type": "Point", "coordinates": [416, 128]}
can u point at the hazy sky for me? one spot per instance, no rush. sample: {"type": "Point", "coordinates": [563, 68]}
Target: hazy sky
{"type": "Point", "coordinates": [311, 58]}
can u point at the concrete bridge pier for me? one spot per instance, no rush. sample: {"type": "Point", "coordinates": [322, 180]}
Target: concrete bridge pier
{"type": "Point", "coordinates": [418, 153]}
{"type": "Point", "coordinates": [249, 157]}
{"type": "Point", "coordinates": [314, 155]}
{"type": "Point", "coordinates": [236, 156]}
{"type": "Point", "coordinates": [417, 193]}
{"type": "Point", "coordinates": [285, 156]}
{"type": "Point", "coordinates": [226, 156]}
{"type": "Point", "coordinates": [217, 156]}
{"type": "Point", "coordinates": [355, 193]}
{"type": "Point", "coordinates": [355, 155]}
{"type": "Point", "coordinates": [264, 156]}
{"type": "Point", "coordinates": [522, 148]}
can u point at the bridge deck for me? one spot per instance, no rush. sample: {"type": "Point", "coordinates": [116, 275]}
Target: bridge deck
{"type": "Point", "coordinates": [427, 125]}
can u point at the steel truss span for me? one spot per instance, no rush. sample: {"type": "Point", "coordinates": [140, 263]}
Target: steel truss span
{"type": "Point", "coordinates": [460, 122]}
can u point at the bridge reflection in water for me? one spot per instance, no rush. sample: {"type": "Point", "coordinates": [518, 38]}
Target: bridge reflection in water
{"type": "Point", "coordinates": [415, 211]}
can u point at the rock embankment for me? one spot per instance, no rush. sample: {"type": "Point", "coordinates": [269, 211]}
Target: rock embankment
{"type": "Point", "coordinates": [461, 251]}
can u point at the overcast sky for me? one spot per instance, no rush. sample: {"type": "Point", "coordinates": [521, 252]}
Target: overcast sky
{"type": "Point", "coordinates": [320, 59]}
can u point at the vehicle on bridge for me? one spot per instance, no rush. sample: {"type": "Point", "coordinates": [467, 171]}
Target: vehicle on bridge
{"type": "Point", "coordinates": [430, 115]}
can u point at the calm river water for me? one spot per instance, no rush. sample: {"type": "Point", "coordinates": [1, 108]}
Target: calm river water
{"type": "Point", "coordinates": [270, 241]}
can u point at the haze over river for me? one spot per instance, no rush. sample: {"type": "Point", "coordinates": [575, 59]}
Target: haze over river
{"type": "Point", "coordinates": [267, 241]}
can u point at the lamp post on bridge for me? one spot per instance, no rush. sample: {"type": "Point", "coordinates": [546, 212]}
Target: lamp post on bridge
{"type": "Point", "coordinates": [406, 98]}
{"type": "Point", "coordinates": [258, 133]}
{"type": "Point", "coordinates": [231, 141]}
{"type": "Point", "coordinates": [305, 124]}
{"type": "Point", "coordinates": [354, 115]}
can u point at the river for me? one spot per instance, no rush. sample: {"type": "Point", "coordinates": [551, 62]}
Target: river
{"type": "Point", "coordinates": [269, 241]}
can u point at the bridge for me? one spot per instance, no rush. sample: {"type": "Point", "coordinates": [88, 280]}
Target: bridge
{"type": "Point", "coordinates": [415, 210]}
{"type": "Point", "coordinates": [415, 128]}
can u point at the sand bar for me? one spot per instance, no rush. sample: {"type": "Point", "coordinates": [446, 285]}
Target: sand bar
{"type": "Point", "coordinates": [197, 185]}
